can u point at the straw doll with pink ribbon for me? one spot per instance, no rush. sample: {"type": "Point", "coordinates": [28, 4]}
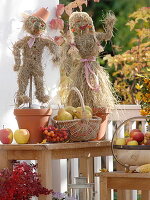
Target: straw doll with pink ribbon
{"type": "Point", "coordinates": [28, 57]}
{"type": "Point", "coordinates": [79, 55]}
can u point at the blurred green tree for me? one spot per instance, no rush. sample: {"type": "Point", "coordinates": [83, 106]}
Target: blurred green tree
{"type": "Point", "coordinates": [121, 9]}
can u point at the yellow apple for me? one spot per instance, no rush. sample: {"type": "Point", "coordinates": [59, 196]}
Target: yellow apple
{"type": "Point", "coordinates": [120, 141]}
{"type": "Point", "coordinates": [133, 142]}
{"type": "Point", "coordinates": [21, 136]}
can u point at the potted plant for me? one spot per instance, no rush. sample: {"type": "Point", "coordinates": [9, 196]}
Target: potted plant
{"type": "Point", "coordinates": [28, 63]}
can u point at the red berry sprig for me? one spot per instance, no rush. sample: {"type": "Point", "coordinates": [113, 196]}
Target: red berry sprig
{"type": "Point", "coordinates": [55, 135]}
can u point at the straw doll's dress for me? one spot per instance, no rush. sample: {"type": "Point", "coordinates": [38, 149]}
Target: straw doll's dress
{"type": "Point", "coordinates": [80, 65]}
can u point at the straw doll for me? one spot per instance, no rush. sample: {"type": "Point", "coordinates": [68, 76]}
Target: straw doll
{"type": "Point", "coordinates": [28, 57]}
{"type": "Point", "coordinates": [78, 62]}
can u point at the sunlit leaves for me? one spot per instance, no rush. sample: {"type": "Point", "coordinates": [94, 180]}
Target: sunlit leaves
{"type": "Point", "coordinates": [134, 62]}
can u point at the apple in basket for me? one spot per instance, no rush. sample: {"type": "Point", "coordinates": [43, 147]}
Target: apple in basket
{"type": "Point", "coordinates": [79, 113]}
{"type": "Point", "coordinates": [132, 142]}
{"type": "Point", "coordinates": [120, 141]}
{"type": "Point", "coordinates": [147, 138]}
{"type": "Point", "coordinates": [70, 113]}
{"type": "Point", "coordinates": [63, 115]}
{"type": "Point", "coordinates": [137, 135]}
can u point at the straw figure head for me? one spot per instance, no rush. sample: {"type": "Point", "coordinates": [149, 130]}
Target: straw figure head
{"type": "Point", "coordinates": [83, 34]}
{"type": "Point", "coordinates": [36, 23]}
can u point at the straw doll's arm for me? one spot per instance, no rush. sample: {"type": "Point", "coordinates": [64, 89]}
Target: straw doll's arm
{"type": "Point", "coordinates": [54, 49]}
{"type": "Point", "coordinates": [17, 54]}
{"type": "Point", "coordinates": [109, 22]}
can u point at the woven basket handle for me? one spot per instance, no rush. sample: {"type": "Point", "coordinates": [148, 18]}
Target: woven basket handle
{"type": "Point", "coordinates": [81, 101]}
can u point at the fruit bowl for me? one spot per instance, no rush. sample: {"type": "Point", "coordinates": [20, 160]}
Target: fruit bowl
{"type": "Point", "coordinates": [130, 146]}
{"type": "Point", "coordinates": [55, 135]}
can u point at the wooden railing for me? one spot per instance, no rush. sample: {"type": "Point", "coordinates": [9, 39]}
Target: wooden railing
{"type": "Point", "coordinates": [122, 113]}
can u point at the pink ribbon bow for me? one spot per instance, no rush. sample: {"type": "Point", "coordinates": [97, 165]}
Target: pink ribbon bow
{"type": "Point", "coordinates": [32, 40]}
{"type": "Point", "coordinates": [88, 70]}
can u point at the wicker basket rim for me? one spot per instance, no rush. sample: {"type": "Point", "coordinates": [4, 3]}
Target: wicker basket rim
{"type": "Point", "coordinates": [95, 118]}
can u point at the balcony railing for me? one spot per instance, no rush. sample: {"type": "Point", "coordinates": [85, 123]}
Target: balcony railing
{"type": "Point", "coordinates": [68, 169]}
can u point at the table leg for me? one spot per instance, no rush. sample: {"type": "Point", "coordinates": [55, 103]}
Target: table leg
{"type": "Point", "coordinates": [123, 194]}
{"type": "Point", "coordinates": [105, 193]}
{"type": "Point", "coordinates": [145, 195]}
{"type": "Point", "coordinates": [45, 170]}
{"type": "Point", "coordinates": [86, 168]}
{"type": "Point", "coordinates": [4, 162]}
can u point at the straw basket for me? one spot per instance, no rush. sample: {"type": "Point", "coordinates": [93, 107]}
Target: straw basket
{"type": "Point", "coordinates": [80, 129]}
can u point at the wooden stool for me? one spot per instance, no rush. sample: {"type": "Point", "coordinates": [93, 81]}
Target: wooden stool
{"type": "Point", "coordinates": [123, 181]}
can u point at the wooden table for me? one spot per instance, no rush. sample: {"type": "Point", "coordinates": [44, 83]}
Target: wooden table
{"type": "Point", "coordinates": [123, 181]}
{"type": "Point", "coordinates": [45, 153]}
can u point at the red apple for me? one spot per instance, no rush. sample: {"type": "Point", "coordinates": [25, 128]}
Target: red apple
{"type": "Point", "coordinates": [6, 136]}
{"type": "Point", "coordinates": [133, 131]}
{"type": "Point", "coordinates": [21, 136]}
{"type": "Point", "coordinates": [137, 135]}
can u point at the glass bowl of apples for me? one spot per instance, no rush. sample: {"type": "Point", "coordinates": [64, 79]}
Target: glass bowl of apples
{"type": "Point", "coordinates": [55, 135]}
{"type": "Point", "coordinates": [131, 142]}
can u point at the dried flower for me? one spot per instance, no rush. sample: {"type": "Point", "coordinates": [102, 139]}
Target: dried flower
{"type": "Point", "coordinates": [60, 10]}
{"type": "Point", "coordinates": [22, 183]}
{"type": "Point", "coordinates": [61, 196]}
{"type": "Point", "coordinates": [56, 24]}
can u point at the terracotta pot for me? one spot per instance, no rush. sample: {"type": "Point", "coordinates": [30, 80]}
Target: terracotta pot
{"type": "Point", "coordinates": [33, 119]}
{"type": "Point", "coordinates": [103, 113]}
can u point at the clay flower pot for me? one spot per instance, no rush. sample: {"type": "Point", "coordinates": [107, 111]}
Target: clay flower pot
{"type": "Point", "coordinates": [103, 113]}
{"type": "Point", "coordinates": [33, 119]}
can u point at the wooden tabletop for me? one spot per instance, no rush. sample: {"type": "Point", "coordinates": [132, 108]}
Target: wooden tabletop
{"type": "Point", "coordinates": [58, 150]}
{"type": "Point", "coordinates": [123, 174]}
{"type": "Point", "coordinates": [89, 144]}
